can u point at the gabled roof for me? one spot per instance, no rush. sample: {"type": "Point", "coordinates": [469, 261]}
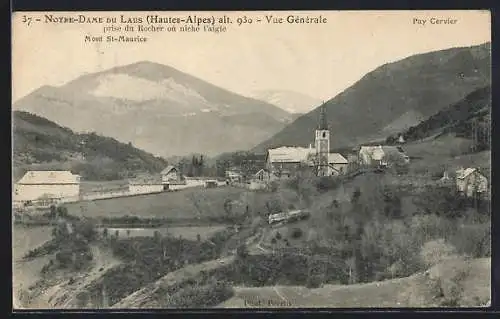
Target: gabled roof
{"type": "Point", "coordinates": [288, 154]}
{"type": "Point", "coordinates": [463, 173]}
{"type": "Point", "coordinates": [49, 177]}
{"type": "Point", "coordinates": [168, 169]}
{"type": "Point", "coordinates": [336, 158]}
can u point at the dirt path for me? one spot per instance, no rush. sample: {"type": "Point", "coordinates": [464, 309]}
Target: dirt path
{"type": "Point", "coordinates": [104, 260]}
{"type": "Point", "coordinates": [63, 294]}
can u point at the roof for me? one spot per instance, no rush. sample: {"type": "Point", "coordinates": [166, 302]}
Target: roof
{"type": "Point", "coordinates": [49, 177]}
{"type": "Point", "coordinates": [463, 173]}
{"type": "Point", "coordinates": [146, 180]}
{"type": "Point", "coordinates": [288, 154]}
{"type": "Point", "coordinates": [168, 169]}
{"type": "Point", "coordinates": [261, 170]}
{"type": "Point", "coordinates": [336, 158]}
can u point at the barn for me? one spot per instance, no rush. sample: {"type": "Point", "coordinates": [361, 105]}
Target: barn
{"type": "Point", "coordinates": [170, 174]}
{"type": "Point", "coordinates": [470, 181]}
{"type": "Point", "coordinates": [47, 185]}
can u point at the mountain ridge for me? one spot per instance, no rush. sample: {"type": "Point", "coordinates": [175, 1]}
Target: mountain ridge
{"type": "Point", "coordinates": [424, 83]}
{"type": "Point", "coordinates": [142, 101]}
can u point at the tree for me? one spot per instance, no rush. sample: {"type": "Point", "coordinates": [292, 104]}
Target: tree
{"type": "Point", "coordinates": [201, 164]}
{"type": "Point", "coordinates": [228, 207]}
{"type": "Point", "coordinates": [242, 251]}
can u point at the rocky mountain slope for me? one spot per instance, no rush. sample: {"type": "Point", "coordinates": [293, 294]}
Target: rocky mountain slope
{"type": "Point", "coordinates": [393, 97]}
{"type": "Point", "coordinates": [159, 109]}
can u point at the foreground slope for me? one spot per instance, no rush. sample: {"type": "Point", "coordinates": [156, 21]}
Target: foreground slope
{"type": "Point", "coordinates": [466, 282]}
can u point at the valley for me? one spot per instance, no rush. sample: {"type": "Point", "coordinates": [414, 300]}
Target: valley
{"type": "Point", "coordinates": [414, 231]}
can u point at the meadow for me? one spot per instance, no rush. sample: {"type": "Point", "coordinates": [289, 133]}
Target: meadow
{"type": "Point", "coordinates": [188, 203]}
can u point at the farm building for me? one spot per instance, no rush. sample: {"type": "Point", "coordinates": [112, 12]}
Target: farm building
{"type": "Point", "coordinates": [146, 184]}
{"type": "Point", "coordinates": [170, 174]}
{"type": "Point", "coordinates": [381, 155]}
{"type": "Point", "coordinates": [264, 176]}
{"type": "Point", "coordinates": [47, 186]}
{"type": "Point", "coordinates": [470, 181]}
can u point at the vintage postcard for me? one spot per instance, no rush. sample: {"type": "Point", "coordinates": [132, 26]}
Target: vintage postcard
{"type": "Point", "coordinates": [287, 159]}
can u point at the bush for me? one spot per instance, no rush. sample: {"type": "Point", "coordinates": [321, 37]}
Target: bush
{"type": "Point", "coordinates": [296, 233]}
{"type": "Point", "coordinates": [199, 296]}
{"type": "Point", "coordinates": [473, 240]}
{"type": "Point", "coordinates": [314, 282]}
{"type": "Point", "coordinates": [326, 183]}
{"type": "Point", "coordinates": [242, 251]}
{"type": "Point", "coordinates": [86, 229]}
{"type": "Point", "coordinates": [436, 251]}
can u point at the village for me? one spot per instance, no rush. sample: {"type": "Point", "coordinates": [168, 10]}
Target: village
{"type": "Point", "coordinates": [38, 190]}
{"type": "Point", "coordinates": [249, 217]}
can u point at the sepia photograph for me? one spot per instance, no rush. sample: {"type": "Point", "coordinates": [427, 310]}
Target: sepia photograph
{"type": "Point", "coordinates": [251, 159]}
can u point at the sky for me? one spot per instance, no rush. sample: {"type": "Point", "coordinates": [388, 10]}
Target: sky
{"type": "Point", "coordinates": [319, 60]}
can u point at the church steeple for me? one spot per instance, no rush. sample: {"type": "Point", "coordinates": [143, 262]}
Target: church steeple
{"type": "Point", "coordinates": [322, 143]}
{"type": "Point", "coordinates": [322, 124]}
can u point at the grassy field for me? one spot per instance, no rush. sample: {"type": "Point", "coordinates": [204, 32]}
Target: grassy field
{"type": "Point", "coordinates": [418, 290]}
{"type": "Point", "coordinates": [188, 203]}
{"type": "Point", "coordinates": [446, 152]}
{"type": "Point", "coordinates": [189, 233]}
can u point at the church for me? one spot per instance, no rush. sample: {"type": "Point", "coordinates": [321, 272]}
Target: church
{"type": "Point", "coordinates": [284, 161]}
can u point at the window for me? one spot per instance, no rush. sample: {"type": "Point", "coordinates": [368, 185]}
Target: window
{"type": "Point", "coordinates": [324, 134]}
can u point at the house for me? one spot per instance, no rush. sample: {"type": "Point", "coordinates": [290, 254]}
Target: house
{"type": "Point", "coordinates": [146, 185]}
{"type": "Point", "coordinates": [234, 175]}
{"type": "Point", "coordinates": [337, 164]}
{"type": "Point", "coordinates": [470, 181]}
{"type": "Point", "coordinates": [264, 176]}
{"type": "Point", "coordinates": [170, 174]}
{"type": "Point", "coordinates": [47, 186]}
{"type": "Point", "coordinates": [384, 156]}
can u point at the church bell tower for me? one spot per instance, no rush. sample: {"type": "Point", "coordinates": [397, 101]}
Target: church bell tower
{"type": "Point", "coordinates": [322, 143]}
